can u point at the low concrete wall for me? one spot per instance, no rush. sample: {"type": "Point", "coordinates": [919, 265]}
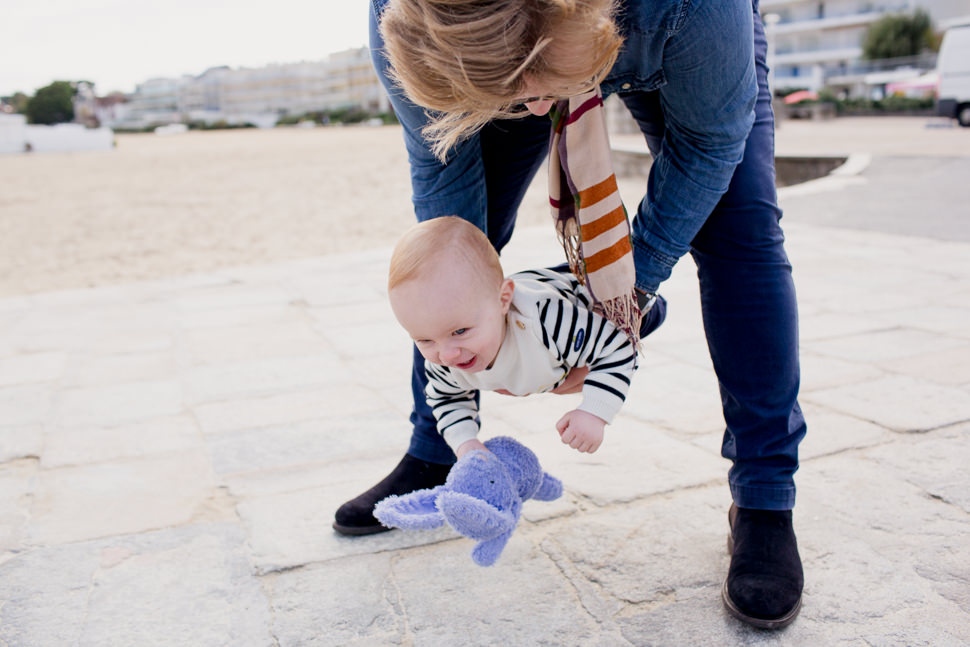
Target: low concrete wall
{"type": "Point", "coordinates": [16, 136]}
{"type": "Point", "coordinates": [12, 133]}
{"type": "Point", "coordinates": [789, 170]}
{"type": "Point", "coordinates": [814, 111]}
{"type": "Point", "coordinates": [68, 137]}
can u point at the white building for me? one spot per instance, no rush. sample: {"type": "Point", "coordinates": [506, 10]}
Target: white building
{"type": "Point", "coordinates": [155, 101]}
{"type": "Point", "coordinates": [260, 95]}
{"type": "Point", "coordinates": [818, 43]}
{"type": "Point", "coordinates": [352, 82]}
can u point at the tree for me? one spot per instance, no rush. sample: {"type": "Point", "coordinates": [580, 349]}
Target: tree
{"type": "Point", "coordinates": [17, 101]}
{"type": "Point", "coordinates": [899, 35]}
{"type": "Point", "coordinates": [52, 104]}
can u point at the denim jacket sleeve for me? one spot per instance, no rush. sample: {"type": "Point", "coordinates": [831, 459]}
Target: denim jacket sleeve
{"type": "Point", "coordinates": [707, 98]}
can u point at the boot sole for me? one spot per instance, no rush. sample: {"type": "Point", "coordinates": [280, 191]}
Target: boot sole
{"type": "Point", "coordinates": [359, 531]}
{"type": "Point", "coordinates": [760, 623]}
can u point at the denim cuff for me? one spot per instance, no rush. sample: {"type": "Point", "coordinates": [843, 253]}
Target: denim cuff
{"type": "Point", "coordinates": [653, 267]}
{"type": "Point", "coordinates": [763, 498]}
{"type": "Point", "coordinates": [434, 450]}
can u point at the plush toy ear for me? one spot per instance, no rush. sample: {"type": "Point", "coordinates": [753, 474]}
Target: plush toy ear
{"type": "Point", "coordinates": [550, 489]}
{"type": "Point", "coordinates": [487, 552]}
{"type": "Point", "coordinates": [413, 511]}
{"type": "Point", "coordinates": [472, 517]}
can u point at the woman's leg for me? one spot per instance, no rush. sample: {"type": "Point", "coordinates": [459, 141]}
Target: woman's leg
{"type": "Point", "coordinates": [749, 309]}
{"type": "Point", "coordinates": [751, 323]}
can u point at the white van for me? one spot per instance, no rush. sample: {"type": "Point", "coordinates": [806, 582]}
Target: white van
{"type": "Point", "coordinates": [953, 66]}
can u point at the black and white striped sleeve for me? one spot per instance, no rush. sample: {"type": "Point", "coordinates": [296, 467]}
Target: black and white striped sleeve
{"type": "Point", "coordinates": [455, 407]}
{"type": "Point", "coordinates": [582, 337]}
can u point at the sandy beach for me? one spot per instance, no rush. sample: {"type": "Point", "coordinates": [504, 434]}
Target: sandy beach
{"type": "Point", "coordinates": [163, 206]}
{"type": "Point", "coordinates": [159, 206]}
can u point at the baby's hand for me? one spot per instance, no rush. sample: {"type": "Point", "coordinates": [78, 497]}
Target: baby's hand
{"type": "Point", "coordinates": [581, 430]}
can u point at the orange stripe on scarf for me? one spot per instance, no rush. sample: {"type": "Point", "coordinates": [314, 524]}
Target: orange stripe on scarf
{"type": "Point", "coordinates": [611, 254]}
{"type": "Point", "coordinates": [597, 192]}
{"type": "Point", "coordinates": [604, 223]}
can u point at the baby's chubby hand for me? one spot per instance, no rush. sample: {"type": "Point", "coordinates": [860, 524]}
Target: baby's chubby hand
{"type": "Point", "coordinates": [581, 430]}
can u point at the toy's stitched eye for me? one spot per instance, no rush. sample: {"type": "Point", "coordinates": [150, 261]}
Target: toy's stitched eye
{"type": "Point", "coordinates": [492, 482]}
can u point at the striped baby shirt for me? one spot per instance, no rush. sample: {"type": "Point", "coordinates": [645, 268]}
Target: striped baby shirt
{"type": "Point", "coordinates": [550, 329]}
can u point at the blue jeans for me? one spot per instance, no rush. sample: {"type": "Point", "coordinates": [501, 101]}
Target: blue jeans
{"type": "Point", "coordinates": [747, 293]}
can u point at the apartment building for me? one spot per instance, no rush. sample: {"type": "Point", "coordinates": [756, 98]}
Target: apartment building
{"type": "Point", "coordinates": [156, 101]}
{"type": "Point", "coordinates": [818, 43]}
{"type": "Point", "coordinates": [259, 95]}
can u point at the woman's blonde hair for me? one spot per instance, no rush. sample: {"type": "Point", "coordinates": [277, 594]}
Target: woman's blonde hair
{"type": "Point", "coordinates": [435, 245]}
{"type": "Point", "coordinates": [466, 60]}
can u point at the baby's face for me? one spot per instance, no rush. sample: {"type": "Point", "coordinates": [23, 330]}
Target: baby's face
{"type": "Point", "coordinates": [454, 320]}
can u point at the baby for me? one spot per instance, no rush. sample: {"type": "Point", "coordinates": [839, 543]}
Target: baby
{"type": "Point", "coordinates": [479, 330]}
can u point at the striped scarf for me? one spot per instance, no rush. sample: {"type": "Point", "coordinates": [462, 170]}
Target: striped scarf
{"type": "Point", "coordinates": [590, 218]}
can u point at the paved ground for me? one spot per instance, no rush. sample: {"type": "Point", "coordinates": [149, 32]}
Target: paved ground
{"type": "Point", "coordinates": [171, 453]}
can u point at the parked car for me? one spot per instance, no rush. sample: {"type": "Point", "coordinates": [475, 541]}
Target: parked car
{"type": "Point", "coordinates": [953, 66]}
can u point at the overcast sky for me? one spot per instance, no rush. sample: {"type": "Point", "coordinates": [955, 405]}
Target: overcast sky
{"type": "Point", "coordinates": [119, 43]}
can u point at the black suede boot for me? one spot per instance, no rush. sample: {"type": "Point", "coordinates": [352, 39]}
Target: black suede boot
{"type": "Point", "coordinates": [764, 582]}
{"type": "Point", "coordinates": [356, 517]}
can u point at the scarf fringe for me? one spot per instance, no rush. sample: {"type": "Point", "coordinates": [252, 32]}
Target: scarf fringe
{"type": "Point", "coordinates": [623, 311]}
{"type": "Point", "coordinates": [571, 241]}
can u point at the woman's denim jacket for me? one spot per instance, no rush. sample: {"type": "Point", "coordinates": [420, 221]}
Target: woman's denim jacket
{"type": "Point", "coordinates": [698, 55]}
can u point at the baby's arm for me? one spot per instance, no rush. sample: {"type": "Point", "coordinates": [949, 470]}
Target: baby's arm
{"type": "Point", "coordinates": [454, 407]}
{"type": "Point", "coordinates": [611, 360]}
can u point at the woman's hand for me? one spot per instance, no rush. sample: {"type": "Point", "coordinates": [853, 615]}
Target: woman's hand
{"type": "Point", "coordinates": [573, 382]}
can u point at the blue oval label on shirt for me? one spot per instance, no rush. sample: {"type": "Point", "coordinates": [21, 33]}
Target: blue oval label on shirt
{"type": "Point", "coordinates": [580, 336]}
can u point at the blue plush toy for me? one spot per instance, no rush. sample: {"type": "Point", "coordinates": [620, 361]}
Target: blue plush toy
{"type": "Point", "coordinates": [481, 498]}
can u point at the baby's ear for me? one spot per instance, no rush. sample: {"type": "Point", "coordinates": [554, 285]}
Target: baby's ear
{"type": "Point", "coordinates": [413, 511]}
{"type": "Point", "coordinates": [505, 294]}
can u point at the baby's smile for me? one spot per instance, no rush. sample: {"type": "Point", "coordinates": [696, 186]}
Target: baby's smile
{"type": "Point", "coordinates": [467, 365]}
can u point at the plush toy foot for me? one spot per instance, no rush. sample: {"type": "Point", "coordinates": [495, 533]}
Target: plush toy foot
{"type": "Point", "coordinates": [486, 553]}
{"type": "Point", "coordinates": [764, 583]}
{"type": "Point", "coordinates": [356, 517]}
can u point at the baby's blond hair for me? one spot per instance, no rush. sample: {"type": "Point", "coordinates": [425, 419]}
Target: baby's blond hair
{"type": "Point", "coordinates": [465, 60]}
{"type": "Point", "coordinates": [436, 245]}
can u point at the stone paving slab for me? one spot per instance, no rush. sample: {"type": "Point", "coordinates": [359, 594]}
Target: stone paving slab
{"type": "Point", "coordinates": [189, 585]}
{"type": "Point", "coordinates": [171, 454]}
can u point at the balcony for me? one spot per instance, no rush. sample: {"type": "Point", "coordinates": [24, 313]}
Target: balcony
{"type": "Point", "coordinates": [826, 24]}
{"type": "Point", "coordinates": [811, 57]}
